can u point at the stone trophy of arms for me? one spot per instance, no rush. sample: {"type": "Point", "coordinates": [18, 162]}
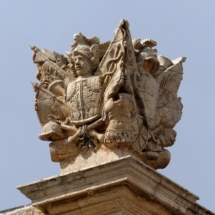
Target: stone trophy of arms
{"type": "Point", "coordinates": [113, 95]}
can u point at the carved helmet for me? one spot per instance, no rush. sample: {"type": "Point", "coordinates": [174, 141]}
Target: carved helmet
{"type": "Point", "coordinates": [90, 48]}
{"type": "Point", "coordinates": [146, 54]}
{"type": "Point", "coordinates": [90, 53]}
{"type": "Point", "coordinates": [149, 59]}
{"type": "Point", "coordinates": [51, 131]}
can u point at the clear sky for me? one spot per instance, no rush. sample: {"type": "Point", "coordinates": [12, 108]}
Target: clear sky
{"type": "Point", "coordinates": [181, 28]}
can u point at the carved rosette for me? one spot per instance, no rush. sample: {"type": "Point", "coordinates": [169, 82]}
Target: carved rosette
{"type": "Point", "coordinates": [113, 95]}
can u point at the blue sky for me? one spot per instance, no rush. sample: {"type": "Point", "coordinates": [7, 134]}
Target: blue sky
{"type": "Point", "coordinates": [181, 28]}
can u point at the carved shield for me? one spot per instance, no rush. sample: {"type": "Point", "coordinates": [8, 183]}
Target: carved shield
{"type": "Point", "coordinates": [47, 104]}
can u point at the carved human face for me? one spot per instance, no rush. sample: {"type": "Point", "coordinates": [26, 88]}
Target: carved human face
{"type": "Point", "coordinates": [82, 66]}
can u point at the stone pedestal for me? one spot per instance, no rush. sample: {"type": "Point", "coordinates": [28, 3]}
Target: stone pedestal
{"type": "Point", "coordinates": [124, 186]}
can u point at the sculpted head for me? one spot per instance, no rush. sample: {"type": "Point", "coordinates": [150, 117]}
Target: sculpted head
{"type": "Point", "coordinates": [83, 60]}
{"type": "Point", "coordinates": [82, 66]}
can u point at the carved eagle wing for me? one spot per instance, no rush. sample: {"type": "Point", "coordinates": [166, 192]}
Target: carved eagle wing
{"type": "Point", "coordinates": [170, 106]}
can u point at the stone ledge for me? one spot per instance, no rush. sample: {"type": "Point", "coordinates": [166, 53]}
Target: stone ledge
{"type": "Point", "coordinates": [22, 210]}
{"type": "Point", "coordinates": [126, 175]}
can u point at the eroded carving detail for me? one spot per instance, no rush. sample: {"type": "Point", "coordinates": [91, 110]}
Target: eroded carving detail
{"type": "Point", "coordinates": [119, 94]}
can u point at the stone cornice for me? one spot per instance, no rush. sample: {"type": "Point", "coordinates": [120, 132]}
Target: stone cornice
{"type": "Point", "coordinates": [127, 171]}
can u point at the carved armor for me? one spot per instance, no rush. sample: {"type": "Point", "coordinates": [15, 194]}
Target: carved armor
{"type": "Point", "coordinates": [84, 99]}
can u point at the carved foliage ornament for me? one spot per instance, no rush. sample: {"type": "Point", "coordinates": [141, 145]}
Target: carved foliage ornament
{"type": "Point", "coordinates": [118, 94]}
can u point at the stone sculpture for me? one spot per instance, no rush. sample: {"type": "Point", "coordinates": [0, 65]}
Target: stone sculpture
{"type": "Point", "coordinates": [115, 95]}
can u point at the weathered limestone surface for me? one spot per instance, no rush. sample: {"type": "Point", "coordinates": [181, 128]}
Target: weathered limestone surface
{"type": "Point", "coordinates": [117, 94]}
{"type": "Point", "coordinates": [104, 155]}
{"type": "Point", "coordinates": [22, 210]}
{"type": "Point", "coordinates": [109, 110]}
{"type": "Point", "coordinates": [125, 186]}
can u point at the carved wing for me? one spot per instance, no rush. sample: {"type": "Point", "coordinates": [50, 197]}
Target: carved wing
{"type": "Point", "coordinates": [170, 106]}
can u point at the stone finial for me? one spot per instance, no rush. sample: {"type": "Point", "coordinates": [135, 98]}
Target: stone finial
{"type": "Point", "coordinates": [109, 96]}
